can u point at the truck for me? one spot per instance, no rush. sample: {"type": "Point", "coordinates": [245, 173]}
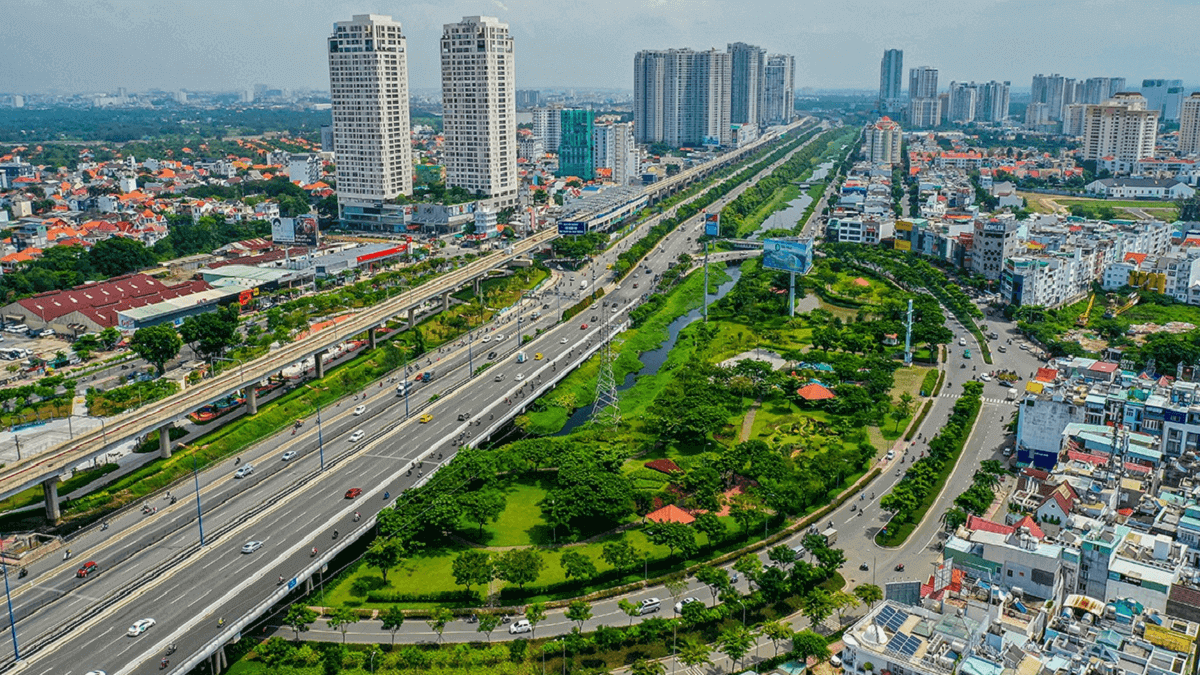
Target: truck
{"type": "Point", "coordinates": [402, 388]}
{"type": "Point", "coordinates": [1011, 395]}
{"type": "Point", "coordinates": [427, 376]}
{"type": "Point", "coordinates": [830, 535]}
{"type": "Point", "coordinates": [521, 357]}
{"type": "Point", "coordinates": [583, 284]}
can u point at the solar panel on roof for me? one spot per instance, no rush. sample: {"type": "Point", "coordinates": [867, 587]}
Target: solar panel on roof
{"type": "Point", "coordinates": [885, 614]}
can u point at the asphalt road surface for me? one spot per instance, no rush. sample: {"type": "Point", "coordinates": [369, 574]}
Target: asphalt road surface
{"type": "Point", "coordinates": [218, 581]}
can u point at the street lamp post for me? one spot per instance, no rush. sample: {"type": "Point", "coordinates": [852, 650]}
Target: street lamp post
{"type": "Point", "coordinates": [321, 437]}
{"type": "Point", "coordinates": [12, 621]}
{"type": "Point", "coordinates": [199, 511]}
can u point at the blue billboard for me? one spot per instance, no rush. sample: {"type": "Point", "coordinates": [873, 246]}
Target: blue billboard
{"type": "Point", "coordinates": [787, 255]}
{"type": "Point", "coordinates": [572, 227]}
{"type": "Point", "coordinates": [712, 224]}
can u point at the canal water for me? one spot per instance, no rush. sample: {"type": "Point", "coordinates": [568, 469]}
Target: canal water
{"type": "Point", "coordinates": [654, 359]}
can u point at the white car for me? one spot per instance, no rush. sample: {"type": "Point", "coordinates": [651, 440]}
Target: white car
{"type": "Point", "coordinates": [244, 471]}
{"type": "Point", "coordinates": [562, 341]}
{"type": "Point", "coordinates": [499, 337]}
{"type": "Point", "coordinates": [357, 436]}
{"type": "Point", "coordinates": [487, 339]}
{"type": "Point", "coordinates": [252, 546]}
{"type": "Point", "coordinates": [891, 454]}
{"type": "Point", "coordinates": [520, 376]}
{"type": "Point", "coordinates": [962, 342]}
{"type": "Point", "coordinates": [686, 601]}
{"type": "Point", "coordinates": [519, 626]}
{"type": "Point", "coordinates": [140, 626]}
{"type": "Point", "coordinates": [360, 410]}
{"type": "Point", "coordinates": [289, 455]}
{"type": "Point", "coordinates": [95, 672]}
{"type": "Point", "coordinates": [984, 377]}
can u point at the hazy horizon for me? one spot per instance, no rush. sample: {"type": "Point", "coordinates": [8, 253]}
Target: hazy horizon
{"type": "Point", "coordinates": [100, 45]}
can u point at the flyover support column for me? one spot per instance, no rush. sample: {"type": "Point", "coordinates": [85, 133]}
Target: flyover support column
{"type": "Point", "coordinates": [50, 490]}
{"type": "Point", "coordinates": [252, 400]}
{"type": "Point", "coordinates": [412, 314]}
{"type": "Point", "coordinates": [446, 301]}
{"type": "Point", "coordinates": [164, 441]}
{"type": "Point", "coordinates": [318, 359]}
{"type": "Point", "coordinates": [374, 341]}
{"type": "Point", "coordinates": [477, 286]}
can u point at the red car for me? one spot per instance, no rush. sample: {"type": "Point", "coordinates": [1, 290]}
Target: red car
{"type": "Point", "coordinates": [583, 327]}
{"type": "Point", "coordinates": [88, 568]}
{"type": "Point", "coordinates": [353, 493]}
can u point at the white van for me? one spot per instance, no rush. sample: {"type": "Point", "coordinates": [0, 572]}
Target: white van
{"type": "Point", "coordinates": [520, 626]}
{"type": "Point", "coordinates": [649, 606]}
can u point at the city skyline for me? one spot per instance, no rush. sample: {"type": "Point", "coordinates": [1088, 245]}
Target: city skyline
{"type": "Point", "coordinates": [222, 46]}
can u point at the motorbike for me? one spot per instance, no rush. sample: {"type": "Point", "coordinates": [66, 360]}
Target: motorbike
{"type": "Point", "coordinates": [864, 567]}
{"type": "Point", "coordinates": [899, 567]}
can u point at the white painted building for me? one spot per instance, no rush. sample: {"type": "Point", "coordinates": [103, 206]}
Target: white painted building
{"type": "Point", "coordinates": [1122, 128]}
{"type": "Point", "coordinates": [479, 120]}
{"type": "Point", "coordinates": [368, 84]}
{"type": "Point", "coordinates": [1140, 188]}
{"type": "Point", "coordinates": [614, 148]}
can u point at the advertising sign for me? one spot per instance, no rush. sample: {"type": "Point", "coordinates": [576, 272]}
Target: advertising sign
{"type": "Point", "coordinates": [572, 227]}
{"type": "Point", "coordinates": [712, 224]}
{"type": "Point", "coordinates": [787, 255]}
{"type": "Point", "coordinates": [300, 230]}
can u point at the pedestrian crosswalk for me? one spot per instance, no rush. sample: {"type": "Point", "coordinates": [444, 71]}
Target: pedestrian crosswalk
{"type": "Point", "coordinates": [985, 399]}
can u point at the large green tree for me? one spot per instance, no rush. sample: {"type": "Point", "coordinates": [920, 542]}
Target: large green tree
{"type": "Point", "coordinates": [115, 256]}
{"type": "Point", "coordinates": [157, 344]}
{"type": "Point", "coordinates": [520, 566]}
{"type": "Point", "coordinates": [211, 333]}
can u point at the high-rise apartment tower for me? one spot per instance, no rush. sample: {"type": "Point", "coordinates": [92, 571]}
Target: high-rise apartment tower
{"type": "Point", "coordinates": [368, 83]}
{"type": "Point", "coordinates": [479, 120]}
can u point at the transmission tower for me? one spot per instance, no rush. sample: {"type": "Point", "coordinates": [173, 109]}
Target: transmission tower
{"type": "Point", "coordinates": [606, 412]}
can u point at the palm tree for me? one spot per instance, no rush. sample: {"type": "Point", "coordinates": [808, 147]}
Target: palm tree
{"type": "Point", "coordinates": [695, 653]}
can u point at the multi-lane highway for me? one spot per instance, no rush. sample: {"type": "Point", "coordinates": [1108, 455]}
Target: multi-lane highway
{"type": "Point", "coordinates": [292, 506]}
{"type": "Point", "coordinates": [856, 532]}
{"type": "Point", "coordinates": [46, 467]}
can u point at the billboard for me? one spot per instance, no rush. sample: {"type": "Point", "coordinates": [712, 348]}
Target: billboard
{"type": "Point", "coordinates": [300, 230]}
{"type": "Point", "coordinates": [572, 227]}
{"type": "Point", "coordinates": [712, 224]}
{"type": "Point", "coordinates": [787, 255]}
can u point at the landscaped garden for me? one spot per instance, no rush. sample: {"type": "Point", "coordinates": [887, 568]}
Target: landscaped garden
{"type": "Point", "coordinates": [716, 451]}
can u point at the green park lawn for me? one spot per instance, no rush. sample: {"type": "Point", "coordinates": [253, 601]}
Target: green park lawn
{"type": "Point", "coordinates": [521, 522]}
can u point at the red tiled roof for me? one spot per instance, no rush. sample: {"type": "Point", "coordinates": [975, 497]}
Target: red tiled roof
{"type": "Point", "coordinates": [1046, 374]}
{"type": "Point", "coordinates": [1034, 529]}
{"type": "Point", "coordinates": [1104, 367]}
{"type": "Point", "coordinates": [815, 392]}
{"type": "Point", "coordinates": [976, 523]}
{"type": "Point", "coordinates": [670, 514]}
{"type": "Point", "coordinates": [1136, 258]}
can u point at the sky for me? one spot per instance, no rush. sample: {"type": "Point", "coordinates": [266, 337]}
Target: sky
{"type": "Point", "coordinates": [99, 45]}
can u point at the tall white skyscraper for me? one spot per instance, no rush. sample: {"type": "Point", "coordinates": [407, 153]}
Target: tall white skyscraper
{"type": "Point", "coordinates": [615, 149]}
{"type": "Point", "coordinates": [963, 102]}
{"type": "Point", "coordinates": [1051, 90]}
{"type": "Point", "coordinates": [891, 74]}
{"type": "Point", "coordinates": [1122, 128]}
{"type": "Point", "coordinates": [368, 83]}
{"type": "Point", "coordinates": [923, 82]}
{"type": "Point", "coordinates": [1189, 125]}
{"type": "Point", "coordinates": [881, 142]}
{"type": "Point", "coordinates": [682, 97]}
{"type": "Point", "coordinates": [547, 125]}
{"type": "Point", "coordinates": [992, 105]}
{"type": "Point", "coordinates": [779, 90]}
{"type": "Point", "coordinates": [745, 82]}
{"type": "Point", "coordinates": [479, 120]}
